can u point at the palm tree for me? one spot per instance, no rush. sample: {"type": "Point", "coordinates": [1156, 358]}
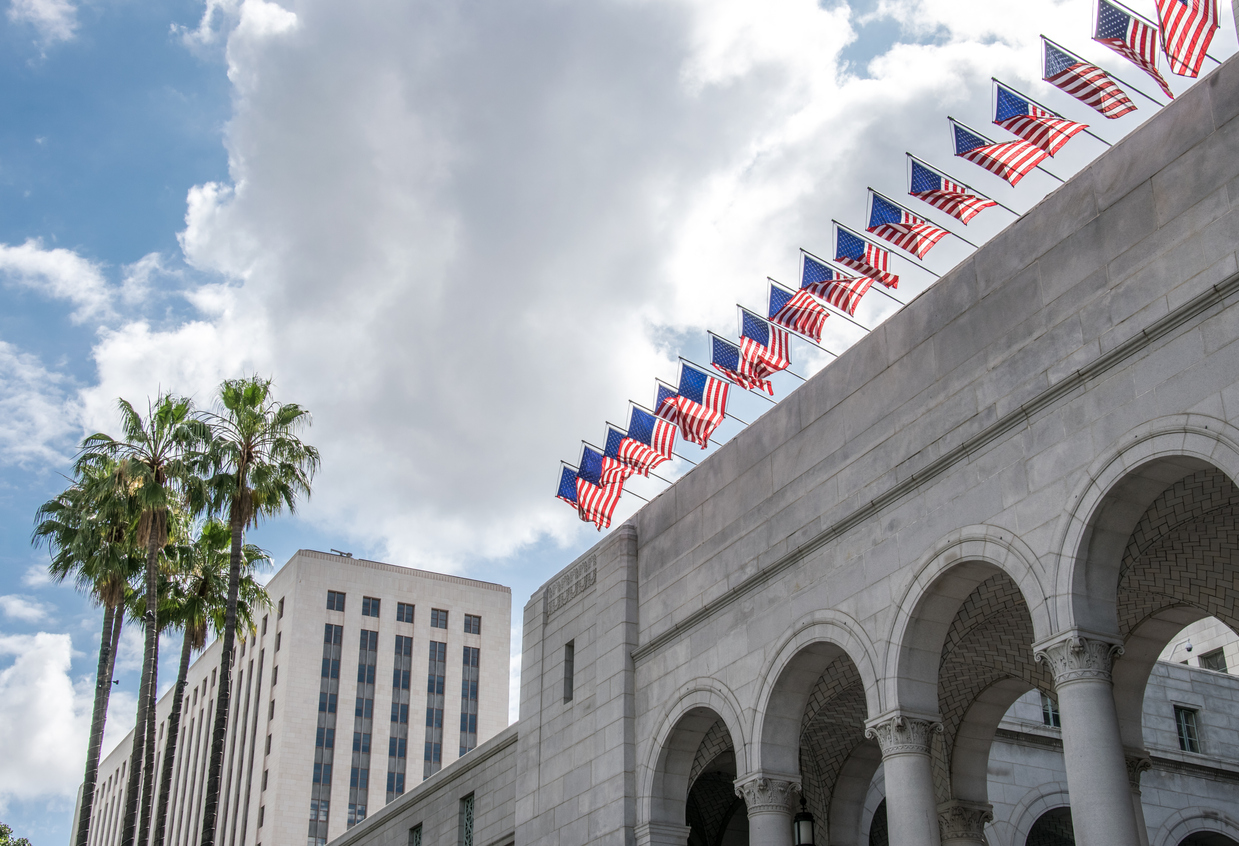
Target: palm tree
{"type": "Point", "coordinates": [88, 531]}
{"type": "Point", "coordinates": [201, 598]}
{"type": "Point", "coordinates": [259, 467]}
{"type": "Point", "coordinates": [152, 464]}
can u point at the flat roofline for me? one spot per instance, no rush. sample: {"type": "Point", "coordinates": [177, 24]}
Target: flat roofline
{"type": "Point", "coordinates": [398, 568]}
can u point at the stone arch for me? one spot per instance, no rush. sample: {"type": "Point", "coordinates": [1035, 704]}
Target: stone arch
{"type": "Point", "coordinates": [1118, 488]}
{"type": "Point", "coordinates": [1035, 804]}
{"type": "Point", "coordinates": [684, 725]}
{"type": "Point", "coordinates": [969, 758]}
{"type": "Point", "coordinates": [846, 822]}
{"type": "Point", "coordinates": [1188, 821]}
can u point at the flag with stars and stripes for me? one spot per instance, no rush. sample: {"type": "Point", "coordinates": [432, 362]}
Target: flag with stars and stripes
{"type": "Point", "coordinates": [797, 311]}
{"type": "Point", "coordinates": [901, 227]}
{"type": "Point", "coordinates": [943, 194]}
{"type": "Point", "coordinates": [1132, 38]}
{"type": "Point", "coordinates": [763, 349]}
{"type": "Point", "coordinates": [614, 469]}
{"type": "Point", "coordinates": [596, 499]}
{"type": "Point", "coordinates": [567, 485]}
{"type": "Point", "coordinates": [1038, 126]}
{"type": "Point", "coordinates": [1187, 28]}
{"type": "Point", "coordinates": [1087, 83]}
{"type": "Point", "coordinates": [697, 408]}
{"type": "Point", "coordinates": [842, 292]}
{"type": "Point", "coordinates": [1011, 160]}
{"type": "Point", "coordinates": [647, 443]}
{"type": "Point", "coordinates": [726, 358]}
{"type": "Point", "coordinates": [864, 257]}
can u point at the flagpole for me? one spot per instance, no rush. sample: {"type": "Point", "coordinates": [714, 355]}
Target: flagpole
{"type": "Point", "coordinates": [966, 185]}
{"type": "Point", "coordinates": [1086, 130]}
{"type": "Point", "coordinates": [881, 289]}
{"type": "Point", "coordinates": [1077, 57]}
{"type": "Point", "coordinates": [980, 135]}
{"type": "Point", "coordinates": [912, 261]}
{"type": "Point", "coordinates": [832, 309]}
{"type": "Point", "coordinates": [909, 211]}
{"type": "Point", "coordinates": [634, 493]}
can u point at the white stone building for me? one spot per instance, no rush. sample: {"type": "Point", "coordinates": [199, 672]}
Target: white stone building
{"type": "Point", "coordinates": [331, 713]}
{"type": "Point", "coordinates": [1023, 484]}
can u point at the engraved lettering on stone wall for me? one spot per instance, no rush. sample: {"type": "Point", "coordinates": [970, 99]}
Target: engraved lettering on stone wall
{"type": "Point", "coordinates": [570, 585]}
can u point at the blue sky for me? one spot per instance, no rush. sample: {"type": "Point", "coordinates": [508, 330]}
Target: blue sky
{"type": "Point", "coordinates": [463, 236]}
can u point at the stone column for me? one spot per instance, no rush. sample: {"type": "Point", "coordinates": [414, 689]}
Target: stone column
{"type": "Point", "coordinates": [911, 808]}
{"type": "Point", "coordinates": [662, 834]}
{"type": "Point", "coordinates": [1101, 802]}
{"type": "Point", "coordinates": [1138, 762]}
{"type": "Point", "coordinates": [768, 798]}
{"type": "Point", "coordinates": [963, 823]}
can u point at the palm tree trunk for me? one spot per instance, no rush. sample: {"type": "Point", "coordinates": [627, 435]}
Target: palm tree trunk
{"type": "Point", "coordinates": [211, 806]}
{"type": "Point", "coordinates": [148, 768]}
{"type": "Point", "coordinates": [136, 759]}
{"type": "Point", "coordinates": [169, 754]}
{"type": "Point", "coordinates": [103, 682]}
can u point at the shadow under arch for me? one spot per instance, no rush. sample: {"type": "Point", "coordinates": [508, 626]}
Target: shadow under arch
{"type": "Point", "coordinates": [971, 749]}
{"type": "Point", "coordinates": [1197, 826]}
{"type": "Point", "coordinates": [665, 780]}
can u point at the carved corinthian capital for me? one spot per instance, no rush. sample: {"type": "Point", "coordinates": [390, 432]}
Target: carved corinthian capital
{"type": "Point", "coordinates": [1138, 762]}
{"type": "Point", "coordinates": [767, 794]}
{"type": "Point", "coordinates": [901, 735]}
{"type": "Point", "coordinates": [963, 822]}
{"type": "Point", "coordinates": [1078, 658]}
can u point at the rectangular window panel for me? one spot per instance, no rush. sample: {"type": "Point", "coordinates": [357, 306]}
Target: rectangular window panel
{"type": "Point", "coordinates": [415, 836]}
{"type": "Point", "coordinates": [466, 821]}
{"type": "Point", "coordinates": [473, 624]}
{"type": "Point", "coordinates": [438, 618]}
{"type": "Point", "coordinates": [404, 612]}
{"type": "Point", "coordinates": [335, 601]}
{"type": "Point", "coordinates": [1215, 660]}
{"type": "Point", "coordinates": [280, 613]}
{"type": "Point", "coordinates": [1049, 712]}
{"type": "Point", "coordinates": [569, 669]}
{"type": "Point", "coordinates": [369, 606]}
{"type": "Point", "coordinates": [1189, 734]}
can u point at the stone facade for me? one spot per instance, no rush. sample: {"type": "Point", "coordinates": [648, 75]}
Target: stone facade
{"type": "Point", "coordinates": [1019, 485]}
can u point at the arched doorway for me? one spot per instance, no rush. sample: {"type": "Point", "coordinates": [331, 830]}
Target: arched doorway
{"type": "Point", "coordinates": [714, 813]}
{"type": "Point", "coordinates": [1053, 828]}
{"type": "Point", "coordinates": [1207, 838]}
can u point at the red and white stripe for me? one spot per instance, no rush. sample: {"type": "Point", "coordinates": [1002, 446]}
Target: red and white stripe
{"type": "Point", "coordinates": [1140, 48]}
{"type": "Point", "coordinates": [595, 503]}
{"type": "Point", "coordinates": [873, 265]}
{"type": "Point", "coordinates": [911, 233]}
{"type": "Point", "coordinates": [1187, 29]}
{"type": "Point", "coordinates": [955, 200]}
{"type": "Point", "coordinates": [745, 379]}
{"type": "Point", "coordinates": [696, 421]}
{"type": "Point", "coordinates": [1012, 160]}
{"type": "Point", "coordinates": [641, 458]}
{"type": "Point", "coordinates": [802, 314]}
{"type": "Point", "coordinates": [1093, 87]}
{"type": "Point", "coordinates": [1043, 129]}
{"type": "Point", "coordinates": [843, 293]}
{"type": "Point", "coordinates": [615, 470]}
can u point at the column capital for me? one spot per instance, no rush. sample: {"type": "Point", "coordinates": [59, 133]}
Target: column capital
{"type": "Point", "coordinates": [963, 822]}
{"type": "Point", "coordinates": [1078, 655]}
{"type": "Point", "coordinates": [767, 793]}
{"type": "Point", "coordinates": [903, 733]}
{"type": "Point", "coordinates": [1138, 762]}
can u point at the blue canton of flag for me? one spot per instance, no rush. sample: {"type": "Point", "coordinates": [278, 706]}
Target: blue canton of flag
{"type": "Point", "coordinates": [1012, 160]}
{"type": "Point", "coordinates": [1039, 127]}
{"type": "Point", "coordinates": [725, 358]}
{"type": "Point", "coordinates": [868, 259]}
{"type": "Point", "coordinates": [567, 486]}
{"type": "Point", "coordinates": [1132, 38]}
{"type": "Point", "coordinates": [797, 311]}
{"type": "Point", "coordinates": [842, 292]}
{"type": "Point", "coordinates": [902, 228]}
{"type": "Point", "coordinates": [943, 194]}
{"type": "Point", "coordinates": [763, 349]}
{"type": "Point", "coordinates": [614, 468]}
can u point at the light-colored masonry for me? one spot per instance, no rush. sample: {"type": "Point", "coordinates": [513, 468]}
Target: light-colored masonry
{"type": "Point", "coordinates": [1023, 484]}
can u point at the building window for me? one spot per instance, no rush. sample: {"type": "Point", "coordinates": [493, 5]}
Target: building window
{"type": "Point", "coordinates": [438, 618]}
{"type": "Point", "coordinates": [415, 836]}
{"type": "Point", "coordinates": [262, 813]}
{"type": "Point", "coordinates": [1215, 660]}
{"type": "Point", "coordinates": [466, 821]}
{"type": "Point", "coordinates": [268, 751]}
{"type": "Point", "coordinates": [335, 601]}
{"type": "Point", "coordinates": [473, 624]}
{"type": "Point", "coordinates": [369, 606]}
{"type": "Point", "coordinates": [569, 668]}
{"type": "Point", "coordinates": [275, 675]}
{"type": "Point", "coordinates": [278, 635]}
{"type": "Point", "coordinates": [1189, 735]}
{"type": "Point", "coordinates": [432, 759]}
{"type": "Point", "coordinates": [469, 700]}
{"type": "Point", "coordinates": [1049, 712]}
{"type": "Point", "coordinates": [363, 723]}
{"type": "Point", "coordinates": [404, 612]}
{"type": "Point", "coordinates": [264, 779]}
{"type": "Point", "coordinates": [271, 711]}
{"type": "Point", "coordinates": [279, 614]}
{"type": "Point", "coordinates": [264, 624]}
{"type": "Point", "coordinates": [356, 813]}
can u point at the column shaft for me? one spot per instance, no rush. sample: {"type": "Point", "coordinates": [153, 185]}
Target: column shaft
{"type": "Point", "coordinates": [767, 799]}
{"type": "Point", "coordinates": [911, 807]}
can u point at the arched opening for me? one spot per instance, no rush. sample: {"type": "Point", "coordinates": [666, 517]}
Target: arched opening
{"type": "Point", "coordinates": [1207, 838]}
{"type": "Point", "coordinates": [1053, 828]}
{"type": "Point", "coordinates": [693, 781]}
{"type": "Point", "coordinates": [877, 827]}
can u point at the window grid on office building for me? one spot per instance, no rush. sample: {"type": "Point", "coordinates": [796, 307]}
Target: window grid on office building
{"type": "Point", "coordinates": [369, 606]}
{"type": "Point", "coordinates": [363, 728]}
{"type": "Point", "coordinates": [469, 700]}
{"type": "Point", "coordinates": [324, 741]}
{"type": "Point", "coordinates": [438, 618]}
{"type": "Point", "coordinates": [398, 743]}
{"type": "Point", "coordinates": [433, 756]}
{"type": "Point", "coordinates": [1189, 733]}
{"type": "Point", "coordinates": [335, 601]}
{"type": "Point", "coordinates": [473, 624]}
{"type": "Point", "coordinates": [404, 612]}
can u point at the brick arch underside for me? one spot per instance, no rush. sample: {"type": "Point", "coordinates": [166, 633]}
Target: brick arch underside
{"type": "Point", "coordinates": [989, 641]}
{"type": "Point", "coordinates": [712, 800]}
{"type": "Point", "coordinates": [1183, 551]}
{"type": "Point", "coordinates": [832, 727]}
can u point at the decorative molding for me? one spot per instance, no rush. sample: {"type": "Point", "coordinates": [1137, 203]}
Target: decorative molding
{"type": "Point", "coordinates": [1078, 658]}
{"type": "Point", "coordinates": [569, 586]}
{"type": "Point", "coordinates": [903, 735]}
{"type": "Point", "coordinates": [1138, 762]}
{"type": "Point", "coordinates": [963, 822]}
{"type": "Point", "coordinates": [763, 794]}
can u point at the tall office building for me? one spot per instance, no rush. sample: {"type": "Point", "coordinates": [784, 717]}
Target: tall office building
{"type": "Point", "coordinates": [361, 680]}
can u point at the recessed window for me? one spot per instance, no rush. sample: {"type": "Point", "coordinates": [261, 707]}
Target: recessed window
{"type": "Point", "coordinates": [262, 813]}
{"type": "Point", "coordinates": [415, 836]}
{"type": "Point", "coordinates": [1215, 660]}
{"type": "Point", "coordinates": [473, 624]}
{"type": "Point", "coordinates": [335, 601]}
{"type": "Point", "coordinates": [1189, 733]}
{"type": "Point", "coordinates": [466, 821]}
{"type": "Point", "coordinates": [404, 612]}
{"type": "Point", "coordinates": [278, 637]}
{"type": "Point", "coordinates": [569, 668]}
{"type": "Point", "coordinates": [280, 611]}
{"type": "Point", "coordinates": [268, 750]}
{"type": "Point", "coordinates": [264, 779]}
{"type": "Point", "coordinates": [271, 711]}
{"type": "Point", "coordinates": [264, 623]}
{"type": "Point", "coordinates": [438, 618]}
{"type": "Point", "coordinates": [369, 606]}
{"type": "Point", "coordinates": [1049, 712]}
{"type": "Point", "coordinates": [275, 675]}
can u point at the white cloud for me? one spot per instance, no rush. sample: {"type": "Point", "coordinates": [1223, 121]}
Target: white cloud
{"type": "Point", "coordinates": [26, 609]}
{"type": "Point", "coordinates": [55, 20]}
{"type": "Point", "coordinates": [36, 575]}
{"type": "Point", "coordinates": [37, 413]}
{"type": "Point", "coordinates": [58, 273]}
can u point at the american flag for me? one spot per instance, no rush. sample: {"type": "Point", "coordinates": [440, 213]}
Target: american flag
{"type": "Point", "coordinates": [902, 228]}
{"type": "Point", "coordinates": [860, 255]}
{"type": "Point", "coordinates": [726, 358]}
{"type": "Point", "coordinates": [842, 292]}
{"type": "Point", "coordinates": [763, 348]}
{"type": "Point", "coordinates": [1039, 127]}
{"type": "Point", "coordinates": [1131, 38]}
{"type": "Point", "coordinates": [941, 193]}
{"type": "Point", "coordinates": [596, 499]}
{"type": "Point", "coordinates": [567, 485]}
{"type": "Point", "coordinates": [1187, 28]}
{"type": "Point", "coordinates": [614, 468]}
{"type": "Point", "coordinates": [1087, 83]}
{"type": "Point", "coordinates": [648, 443]}
{"type": "Point", "coordinates": [1012, 160]}
{"type": "Point", "coordinates": [697, 408]}
{"type": "Point", "coordinates": [798, 312]}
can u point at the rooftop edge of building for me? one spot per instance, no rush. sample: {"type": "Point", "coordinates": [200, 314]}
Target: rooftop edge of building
{"type": "Point", "coordinates": [397, 568]}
